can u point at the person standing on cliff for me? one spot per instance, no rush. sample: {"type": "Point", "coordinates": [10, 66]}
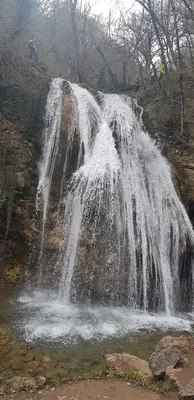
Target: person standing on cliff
{"type": "Point", "coordinates": [33, 50]}
{"type": "Point", "coordinates": [162, 71]}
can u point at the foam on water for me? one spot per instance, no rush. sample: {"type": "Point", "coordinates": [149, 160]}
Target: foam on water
{"type": "Point", "coordinates": [51, 320]}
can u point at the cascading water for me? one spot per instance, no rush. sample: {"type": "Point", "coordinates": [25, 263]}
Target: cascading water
{"type": "Point", "coordinates": [154, 225]}
{"type": "Point", "coordinates": [143, 223]}
{"type": "Point", "coordinates": [51, 136]}
{"type": "Point", "coordinates": [125, 231]}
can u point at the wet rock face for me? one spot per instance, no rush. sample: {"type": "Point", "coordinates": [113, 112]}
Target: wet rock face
{"type": "Point", "coordinates": [21, 122]}
{"type": "Point", "coordinates": [91, 277]}
{"type": "Point", "coordinates": [17, 184]}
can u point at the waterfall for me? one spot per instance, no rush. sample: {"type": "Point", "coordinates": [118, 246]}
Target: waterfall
{"type": "Point", "coordinates": [124, 229]}
{"type": "Point", "coordinates": [51, 137]}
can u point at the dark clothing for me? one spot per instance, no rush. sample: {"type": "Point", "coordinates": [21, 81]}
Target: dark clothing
{"type": "Point", "coordinates": [33, 50]}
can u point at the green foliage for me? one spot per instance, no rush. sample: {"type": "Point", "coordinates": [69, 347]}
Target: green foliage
{"type": "Point", "coordinates": [56, 380]}
{"type": "Point", "coordinates": [132, 376]}
{"type": "Point", "coordinates": [98, 371]}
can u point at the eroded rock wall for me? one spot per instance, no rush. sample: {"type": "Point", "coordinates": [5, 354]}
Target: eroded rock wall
{"type": "Point", "coordinates": [22, 107]}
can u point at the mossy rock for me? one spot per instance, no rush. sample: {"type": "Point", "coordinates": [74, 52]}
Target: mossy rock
{"type": "Point", "coordinates": [12, 272]}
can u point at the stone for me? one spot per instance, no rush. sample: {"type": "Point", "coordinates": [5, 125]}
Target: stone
{"type": "Point", "coordinates": [187, 391]}
{"type": "Point", "coordinates": [14, 383]}
{"type": "Point", "coordinates": [2, 390]}
{"type": "Point", "coordinates": [34, 367]}
{"type": "Point", "coordinates": [14, 366]}
{"type": "Point", "coordinates": [160, 360]}
{"type": "Point", "coordinates": [3, 330]}
{"type": "Point", "coordinates": [28, 383]}
{"type": "Point", "coordinates": [174, 375]}
{"type": "Point", "coordinates": [29, 357]}
{"type": "Point", "coordinates": [181, 343]}
{"type": "Point", "coordinates": [47, 359]}
{"type": "Point", "coordinates": [127, 363]}
{"type": "Point", "coordinates": [42, 380]}
{"type": "Point", "coordinates": [184, 361]}
{"type": "Point", "coordinates": [20, 179]}
{"type": "Point", "coordinates": [4, 336]}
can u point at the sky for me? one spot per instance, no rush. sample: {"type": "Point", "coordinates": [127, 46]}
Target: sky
{"type": "Point", "coordinates": [103, 6]}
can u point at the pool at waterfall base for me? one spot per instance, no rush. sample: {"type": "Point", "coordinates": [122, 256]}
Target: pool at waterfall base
{"type": "Point", "coordinates": [82, 335]}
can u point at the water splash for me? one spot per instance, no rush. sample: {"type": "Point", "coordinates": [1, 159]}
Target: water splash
{"type": "Point", "coordinates": [46, 318]}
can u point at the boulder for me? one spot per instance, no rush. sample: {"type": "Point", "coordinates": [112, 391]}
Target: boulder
{"type": "Point", "coordinates": [42, 380]}
{"type": "Point", "coordinates": [21, 383]}
{"type": "Point", "coordinates": [160, 360]}
{"type": "Point", "coordinates": [124, 363]}
{"type": "Point", "coordinates": [3, 330]}
{"type": "Point", "coordinates": [187, 391]}
{"type": "Point", "coordinates": [174, 375]}
{"type": "Point", "coordinates": [181, 343]}
{"type": "Point", "coordinates": [28, 383]}
{"type": "Point", "coordinates": [14, 383]}
{"type": "Point", "coordinates": [184, 361]}
{"type": "Point", "coordinates": [2, 390]}
{"type": "Point", "coordinates": [29, 357]}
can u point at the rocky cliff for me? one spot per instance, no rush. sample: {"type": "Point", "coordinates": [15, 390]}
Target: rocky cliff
{"type": "Point", "coordinates": [22, 106]}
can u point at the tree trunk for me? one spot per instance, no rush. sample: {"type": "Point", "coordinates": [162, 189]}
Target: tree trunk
{"type": "Point", "coordinates": [79, 72]}
{"type": "Point", "coordinates": [180, 66]}
{"type": "Point", "coordinates": [111, 73]}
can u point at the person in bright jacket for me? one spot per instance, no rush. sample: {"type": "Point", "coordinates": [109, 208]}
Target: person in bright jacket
{"type": "Point", "coordinates": [162, 71]}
